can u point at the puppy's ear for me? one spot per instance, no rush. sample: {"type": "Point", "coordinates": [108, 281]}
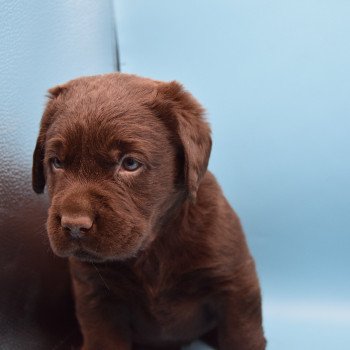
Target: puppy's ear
{"type": "Point", "coordinates": [187, 116]}
{"type": "Point", "coordinates": [56, 91]}
{"type": "Point", "coordinates": [38, 176]}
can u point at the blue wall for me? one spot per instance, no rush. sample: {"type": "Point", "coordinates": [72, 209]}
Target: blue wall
{"type": "Point", "coordinates": [275, 79]}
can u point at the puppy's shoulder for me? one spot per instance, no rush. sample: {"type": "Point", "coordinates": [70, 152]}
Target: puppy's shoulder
{"type": "Point", "coordinates": [217, 220]}
{"type": "Point", "coordinates": [212, 201]}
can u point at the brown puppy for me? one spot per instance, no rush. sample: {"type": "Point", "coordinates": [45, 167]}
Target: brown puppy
{"type": "Point", "coordinates": [158, 257]}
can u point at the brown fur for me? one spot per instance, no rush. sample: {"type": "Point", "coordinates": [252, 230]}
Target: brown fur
{"type": "Point", "coordinates": [165, 261]}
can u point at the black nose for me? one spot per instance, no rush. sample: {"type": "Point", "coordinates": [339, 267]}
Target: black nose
{"type": "Point", "coordinates": [76, 226]}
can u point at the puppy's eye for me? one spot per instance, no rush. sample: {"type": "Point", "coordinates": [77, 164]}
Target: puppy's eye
{"type": "Point", "coordinates": [130, 164]}
{"type": "Point", "coordinates": [56, 163]}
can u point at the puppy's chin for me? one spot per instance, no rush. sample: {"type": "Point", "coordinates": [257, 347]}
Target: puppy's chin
{"type": "Point", "coordinates": [83, 249]}
{"type": "Point", "coordinates": [93, 257]}
{"type": "Point", "coordinates": [86, 256]}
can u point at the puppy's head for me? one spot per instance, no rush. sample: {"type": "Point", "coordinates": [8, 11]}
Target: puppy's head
{"type": "Point", "coordinates": [117, 153]}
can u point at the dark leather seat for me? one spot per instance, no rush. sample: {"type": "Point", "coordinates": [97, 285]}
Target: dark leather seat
{"type": "Point", "coordinates": [36, 307]}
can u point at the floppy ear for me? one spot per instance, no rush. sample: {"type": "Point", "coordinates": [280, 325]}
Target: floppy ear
{"type": "Point", "coordinates": [187, 116]}
{"type": "Point", "coordinates": [38, 176]}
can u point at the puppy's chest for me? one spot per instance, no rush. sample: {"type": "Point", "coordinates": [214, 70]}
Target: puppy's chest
{"type": "Point", "coordinates": [170, 308]}
{"type": "Point", "coordinates": [162, 295]}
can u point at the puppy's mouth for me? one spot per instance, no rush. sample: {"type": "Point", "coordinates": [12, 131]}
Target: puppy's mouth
{"type": "Point", "coordinates": [93, 249]}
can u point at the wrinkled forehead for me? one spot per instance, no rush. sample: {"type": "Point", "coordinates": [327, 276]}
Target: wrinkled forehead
{"type": "Point", "coordinates": [101, 129]}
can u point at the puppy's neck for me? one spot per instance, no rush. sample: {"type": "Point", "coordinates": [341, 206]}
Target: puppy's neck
{"type": "Point", "coordinates": [174, 231]}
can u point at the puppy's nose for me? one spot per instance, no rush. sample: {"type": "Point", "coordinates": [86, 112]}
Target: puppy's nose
{"type": "Point", "coordinates": [76, 226]}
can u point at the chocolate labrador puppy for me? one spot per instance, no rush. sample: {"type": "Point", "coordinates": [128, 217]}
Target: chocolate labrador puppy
{"type": "Point", "coordinates": [158, 257]}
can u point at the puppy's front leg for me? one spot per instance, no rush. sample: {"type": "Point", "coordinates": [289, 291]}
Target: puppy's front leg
{"type": "Point", "coordinates": [240, 325]}
{"type": "Point", "coordinates": [101, 330]}
{"type": "Point", "coordinates": [103, 323]}
{"type": "Point", "coordinates": [240, 319]}
{"type": "Point", "coordinates": [100, 337]}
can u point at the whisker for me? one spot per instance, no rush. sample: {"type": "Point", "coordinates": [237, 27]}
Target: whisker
{"type": "Point", "coordinates": [104, 282]}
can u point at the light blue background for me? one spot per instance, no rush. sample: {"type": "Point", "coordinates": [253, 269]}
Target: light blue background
{"type": "Point", "coordinates": [275, 79]}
